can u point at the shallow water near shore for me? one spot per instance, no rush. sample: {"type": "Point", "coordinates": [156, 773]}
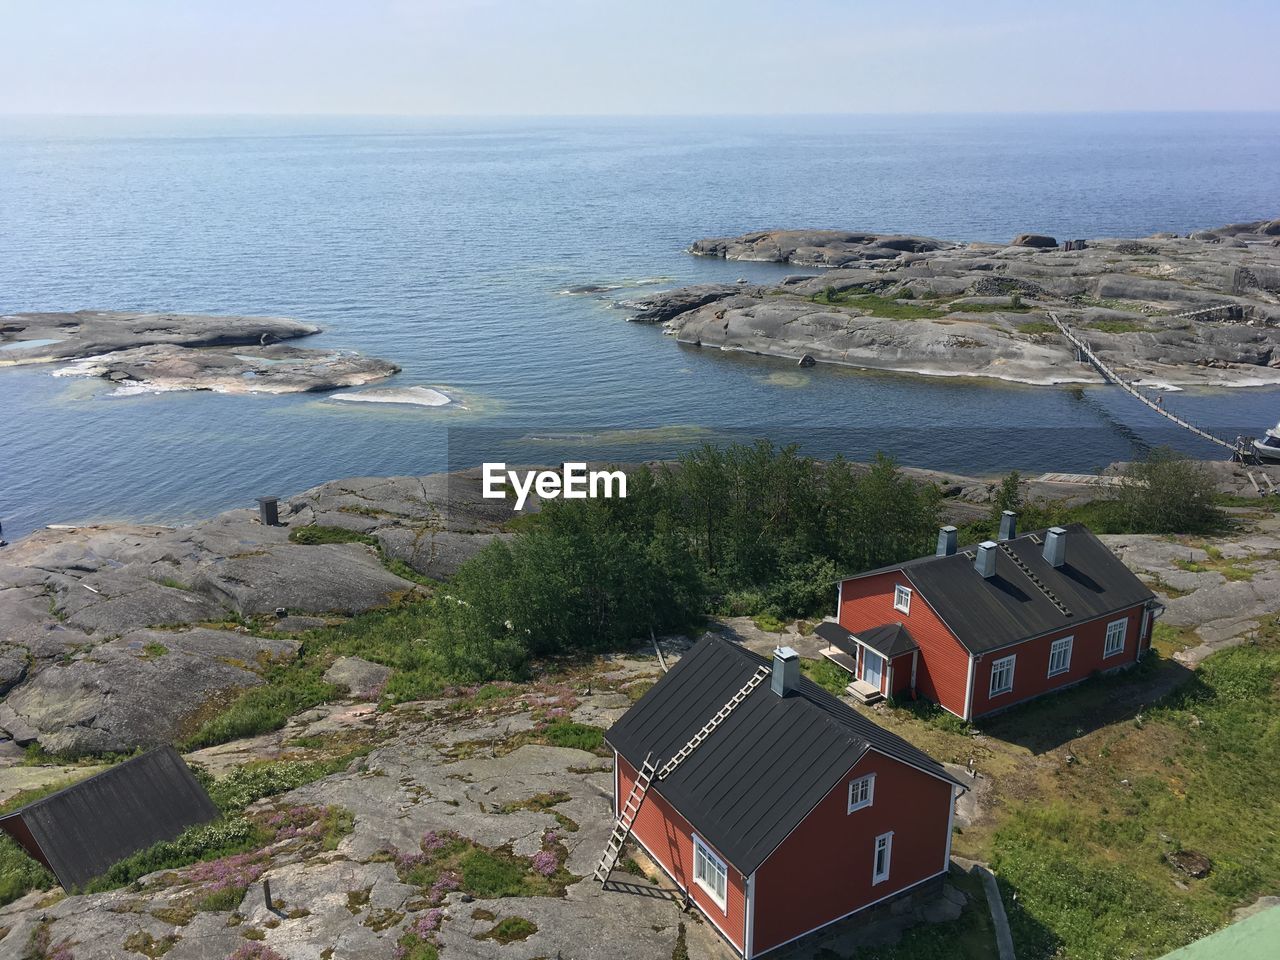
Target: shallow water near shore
{"type": "Point", "coordinates": [446, 246]}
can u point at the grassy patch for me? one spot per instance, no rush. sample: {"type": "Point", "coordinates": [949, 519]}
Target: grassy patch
{"type": "Point", "coordinates": [314, 534]}
{"type": "Point", "coordinates": [509, 930]}
{"type": "Point", "coordinates": [769, 623]}
{"type": "Point", "coordinates": [971, 936]}
{"type": "Point", "coordinates": [1033, 328]}
{"type": "Point", "coordinates": [450, 862]}
{"type": "Point", "coordinates": [1087, 860]}
{"type": "Point", "coordinates": [290, 689]}
{"type": "Point", "coordinates": [153, 650]}
{"type": "Point", "coordinates": [1119, 326]}
{"type": "Point", "coordinates": [932, 714]}
{"type": "Point", "coordinates": [826, 675]}
{"type": "Point", "coordinates": [989, 308]}
{"type": "Point", "coordinates": [579, 736]}
{"type": "Point", "coordinates": [1233, 569]}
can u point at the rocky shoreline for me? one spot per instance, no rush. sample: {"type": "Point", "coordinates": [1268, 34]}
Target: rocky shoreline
{"type": "Point", "coordinates": [920, 305]}
{"type": "Point", "coordinates": [155, 353]}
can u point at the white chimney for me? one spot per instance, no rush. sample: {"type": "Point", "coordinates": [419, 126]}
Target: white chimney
{"type": "Point", "coordinates": [946, 541]}
{"type": "Point", "coordinates": [786, 671]}
{"type": "Point", "coordinates": [1055, 547]}
{"type": "Point", "coordinates": [985, 561]}
{"type": "Point", "coordinates": [1008, 525]}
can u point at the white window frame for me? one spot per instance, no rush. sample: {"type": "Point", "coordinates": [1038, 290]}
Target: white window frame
{"type": "Point", "coordinates": [856, 788]}
{"type": "Point", "coordinates": [902, 598]}
{"type": "Point", "coordinates": [885, 841]}
{"type": "Point", "coordinates": [704, 858]}
{"type": "Point", "coordinates": [1060, 644]}
{"type": "Point", "coordinates": [1122, 635]}
{"type": "Point", "coordinates": [998, 666]}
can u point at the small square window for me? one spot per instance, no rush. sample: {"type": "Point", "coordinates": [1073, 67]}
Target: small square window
{"type": "Point", "coordinates": [902, 598]}
{"type": "Point", "coordinates": [1060, 656]}
{"type": "Point", "coordinates": [1116, 630]}
{"type": "Point", "coordinates": [1002, 675]}
{"type": "Point", "coordinates": [861, 792]}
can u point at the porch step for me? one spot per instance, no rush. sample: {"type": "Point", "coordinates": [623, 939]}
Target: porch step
{"type": "Point", "coordinates": [863, 692]}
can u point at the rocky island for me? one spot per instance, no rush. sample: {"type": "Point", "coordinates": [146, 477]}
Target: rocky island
{"type": "Point", "coordinates": [1167, 310]}
{"type": "Point", "coordinates": [145, 352]}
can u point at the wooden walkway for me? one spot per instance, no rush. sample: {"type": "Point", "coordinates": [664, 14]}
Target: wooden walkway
{"type": "Point", "coordinates": [1112, 377]}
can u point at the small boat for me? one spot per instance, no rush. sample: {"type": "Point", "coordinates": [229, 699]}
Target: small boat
{"type": "Point", "coordinates": [1267, 447]}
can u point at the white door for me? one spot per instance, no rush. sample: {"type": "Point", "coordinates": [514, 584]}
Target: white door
{"type": "Point", "coordinates": [872, 667]}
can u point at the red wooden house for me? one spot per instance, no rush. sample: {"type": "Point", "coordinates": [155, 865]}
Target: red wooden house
{"type": "Point", "coordinates": [776, 807]}
{"type": "Point", "coordinates": [981, 628]}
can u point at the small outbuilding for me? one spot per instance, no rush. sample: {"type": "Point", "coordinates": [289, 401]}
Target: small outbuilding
{"type": "Point", "coordinates": [774, 806]}
{"type": "Point", "coordinates": [81, 831]}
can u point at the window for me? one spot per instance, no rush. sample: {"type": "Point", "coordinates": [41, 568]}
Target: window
{"type": "Point", "coordinates": [902, 598]}
{"type": "Point", "coordinates": [884, 850]}
{"type": "Point", "coordinates": [1116, 630]}
{"type": "Point", "coordinates": [1002, 675]}
{"type": "Point", "coordinates": [710, 872]}
{"type": "Point", "coordinates": [1060, 656]}
{"type": "Point", "coordinates": [861, 791]}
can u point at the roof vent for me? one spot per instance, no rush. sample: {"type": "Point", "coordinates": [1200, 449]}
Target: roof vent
{"type": "Point", "coordinates": [946, 541]}
{"type": "Point", "coordinates": [1055, 547]}
{"type": "Point", "coordinates": [786, 671]}
{"type": "Point", "coordinates": [985, 563]}
{"type": "Point", "coordinates": [1008, 525]}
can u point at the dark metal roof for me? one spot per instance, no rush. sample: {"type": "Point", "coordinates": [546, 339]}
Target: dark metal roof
{"type": "Point", "coordinates": [890, 639]}
{"type": "Point", "coordinates": [760, 772]}
{"type": "Point", "coordinates": [81, 831]}
{"type": "Point", "coordinates": [988, 613]}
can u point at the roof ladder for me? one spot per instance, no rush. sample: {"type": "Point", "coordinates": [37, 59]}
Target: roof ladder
{"type": "Point", "coordinates": [757, 678]}
{"type": "Point", "coordinates": [626, 818]}
{"type": "Point", "coordinates": [1040, 584]}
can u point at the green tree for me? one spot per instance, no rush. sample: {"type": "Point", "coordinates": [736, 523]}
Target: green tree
{"type": "Point", "coordinates": [1168, 493]}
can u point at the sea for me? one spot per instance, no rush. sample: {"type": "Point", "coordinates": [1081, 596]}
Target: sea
{"type": "Point", "coordinates": [449, 246]}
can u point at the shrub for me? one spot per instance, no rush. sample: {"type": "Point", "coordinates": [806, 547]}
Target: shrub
{"type": "Point", "coordinates": [579, 736]}
{"type": "Point", "coordinates": [312, 534]}
{"type": "Point", "coordinates": [1167, 493]}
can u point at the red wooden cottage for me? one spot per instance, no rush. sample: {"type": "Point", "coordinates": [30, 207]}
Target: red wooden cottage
{"type": "Point", "coordinates": [979, 629]}
{"type": "Point", "coordinates": [776, 807]}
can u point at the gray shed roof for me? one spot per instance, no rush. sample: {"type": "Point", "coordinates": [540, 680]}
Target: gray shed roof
{"type": "Point", "coordinates": [81, 831]}
{"type": "Point", "coordinates": [890, 639]}
{"type": "Point", "coordinates": [988, 613]}
{"type": "Point", "coordinates": [760, 771]}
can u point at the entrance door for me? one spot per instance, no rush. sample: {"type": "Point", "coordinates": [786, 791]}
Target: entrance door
{"type": "Point", "coordinates": [872, 667]}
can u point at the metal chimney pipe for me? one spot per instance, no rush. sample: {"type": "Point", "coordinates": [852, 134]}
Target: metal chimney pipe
{"type": "Point", "coordinates": [1008, 525]}
{"type": "Point", "coordinates": [946, 541]}
{"type": "Point", "coordinates": [1055, 547]}
{"type": "Point", "coordinates": [985, 561]}
{"type": "Point", "coordinates": [786, 671]}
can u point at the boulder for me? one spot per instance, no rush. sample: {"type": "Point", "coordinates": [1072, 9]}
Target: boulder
{"type": "Point", "coordinates": [1190, 862]}
{"type": "Point", "coordinates": [1033, 240]}
{"type": "Point", "coordinates": [361, 679]}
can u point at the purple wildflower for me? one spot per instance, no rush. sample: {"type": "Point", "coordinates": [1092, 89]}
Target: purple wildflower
{"type": "Point", "coordinates": [545, 862]}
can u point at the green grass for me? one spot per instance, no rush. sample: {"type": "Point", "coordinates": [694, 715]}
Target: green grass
{"type": "Point", "coordinates": [1119, 326]}
{"type": "Point", "coordinates": [1088, 866]}
{"type": "Point", "coordinates": [484, 873]}
{"type": "Point", "coordinates": [313, 535]}
{"type": "Point", "coordinates": [1036, 327]}
{"type": "Point", "coordinates": [290, 689]}
{"type": "Point", "coordinates": [989, 308]}
{"type": "Point", "coordinates": [878, 306]}
{"type": "Point", "coordinates": [769, 623]}
{"type": "Point", "coordinates": [579, 736]}
{"type": "Point", "coordinates": [510, 930]}
{"type": "Point", "coordinates": [153, 650]}
{"type": "Point", "coordinates": [932, 714]}
{"type": "Point", "coordinates": [826, 675]}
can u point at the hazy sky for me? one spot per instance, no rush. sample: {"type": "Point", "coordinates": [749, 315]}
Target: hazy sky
{"type": "Point", "coordinates": [635, 57]}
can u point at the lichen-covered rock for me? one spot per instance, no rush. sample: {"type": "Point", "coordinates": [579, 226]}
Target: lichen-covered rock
{"type": "Point", "coordinates": [1038, 240]}
{"type": "Point", "coordinates": [360, 678]}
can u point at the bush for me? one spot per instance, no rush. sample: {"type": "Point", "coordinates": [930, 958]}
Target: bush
{"type": "Point", "coordinates": [579, 736]}
{"type": "Point", "coordinates": [313, 534]}
{"type": "Point", "coordinates": [1167, 493]}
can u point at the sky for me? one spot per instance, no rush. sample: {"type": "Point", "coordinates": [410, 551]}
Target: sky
{"type": "Point", "coordinates": [635, 57]}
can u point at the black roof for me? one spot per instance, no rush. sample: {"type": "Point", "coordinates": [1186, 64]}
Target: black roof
{"type": "Point", "coordinates": [988, 613]}
{"type": "Point", "coordinates": [81, 831]}
{"type": "Point", "coordinates": [890, 639]}
{"type": "Point", "coordinates": [761, 771]}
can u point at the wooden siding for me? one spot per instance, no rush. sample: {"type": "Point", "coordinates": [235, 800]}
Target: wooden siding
{"type": "Point", "coordinates": [942, 674]}
{"type": "Point", "coordinates": [1031, 666]}
{"type": "Point", "coordinates": [823, 870]}
{"type": "Point", "coordinates": [668, 837]}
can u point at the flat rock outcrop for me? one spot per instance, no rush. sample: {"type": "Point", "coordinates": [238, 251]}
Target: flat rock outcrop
{"type": "Point", "coordinates": [1201, 310]}
{"type": "Point", "coordinates": [81, 608]}
{"type": "Point", "coordinates": [145, 352]}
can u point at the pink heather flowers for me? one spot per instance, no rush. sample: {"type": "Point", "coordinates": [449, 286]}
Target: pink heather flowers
{"type": "Point", "coordinates": [545, 862]}
{"type": "Point", "coordinates": [255, 951]}
{"type": "Point", "coordinates": [433, 841]}
{"type": "Point", "coordinates": [226, 873]}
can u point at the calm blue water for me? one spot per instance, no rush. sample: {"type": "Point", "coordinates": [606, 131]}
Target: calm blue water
{"type": "Point", "coordinates": [444, 245]}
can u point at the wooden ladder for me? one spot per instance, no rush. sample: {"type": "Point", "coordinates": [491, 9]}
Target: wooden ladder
{"type": "Point", "coordinates": [756, 679]}
{"type": "Point", "coordinates": [626, 818]}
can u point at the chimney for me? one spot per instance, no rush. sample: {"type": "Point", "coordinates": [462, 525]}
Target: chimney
{"type": "Point", "coordinates": [946, 541]}
{"type": "Point", "coordinates": [1055, 547]}
{"type": "Point", "coordinates": [985, 562]}
{"type": "Point", "coordinates": [786, 671]}
{"type": "Point", "coordinates": [1008, 525]}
